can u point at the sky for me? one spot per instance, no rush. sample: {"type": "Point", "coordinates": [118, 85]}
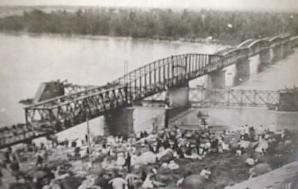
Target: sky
{"type": "Point", "coordinates": [276, 5]}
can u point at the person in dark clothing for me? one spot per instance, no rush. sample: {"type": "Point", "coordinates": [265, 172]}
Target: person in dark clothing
{"type": "Point", "coordinates": [199, 114]}
{"type": "Point", "coordinates": [158, 145]}
{"type": "Point", "coordinates": [7, 155]}
{"type": "Point", "coordinates": [150, 148]}
{"type": "Point", "coordinates": [127, 162]}
{"type": "Point", "coordinates": [175, 145]}
{"type": "Point", "coordinates": [86, 139]}
{"type": "Point", "coordinates": [39, 160]}
{"type": "Point", "coordinates": [143, 175]}
{"type": "Point", "coordinates": [180, 152]}
{"type": "Point", "coordinates": [141, 135]}
{"type": "Point", "coordinates": [166, 144]}
{"type": "Point", "coordinates": [15, 168]}
{"type": "Point", "coordinates": [252, 134]}
{"type": "Point", "coordinates": [188, 150]}
{"type": "Point", "coordinates": [198, 139]}
{"type": "Point", "coordinates": [66, 143]}
{"type": "Point", "coordinates": [73, 144]}
{"type": "Point", "coordinates": [1, 175]}
{"type": "Point", "coordinates": [214, 145]}
{"type": "Point", "coordinates": [103, 181]}
{"type": "Point", "coordinates": [77, 152]}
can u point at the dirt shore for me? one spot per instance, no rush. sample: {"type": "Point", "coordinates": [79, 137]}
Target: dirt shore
{"type": "Point", "coordinates": [285, 177]}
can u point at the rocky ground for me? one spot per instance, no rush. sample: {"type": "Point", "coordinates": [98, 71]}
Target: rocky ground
{"type": "Point", "coordinates": [227, 169]}
{"type": "Point", "coordinates": [285, 177]}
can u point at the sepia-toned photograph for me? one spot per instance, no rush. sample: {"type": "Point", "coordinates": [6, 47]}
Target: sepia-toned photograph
{"type": "Point", "coordinates": [148, 94]}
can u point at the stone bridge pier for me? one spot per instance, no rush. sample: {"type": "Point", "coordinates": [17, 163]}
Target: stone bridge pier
{"type": "Point", "coordinates": [265, 59]}
{"type": "Point", "coordinates": [119, 122]}
{"type": "Point", "coordinates": [287, 49]}
{"type": "Point", "coordinates": [242, 71]}
{"type": "Point", "coordinates": [216, 79]}
{"type": "Point", "coordinates": [179, 96]}
{"type": "Point", "coordinates": [276, 53]}
{"type": "Point", "coordinates": [178, 102]}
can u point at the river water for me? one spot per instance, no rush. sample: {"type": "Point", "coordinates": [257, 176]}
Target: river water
{"type": "Point", "coordinates": [28, 60]}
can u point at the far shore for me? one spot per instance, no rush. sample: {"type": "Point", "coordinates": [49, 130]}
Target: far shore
{"type": "Point", "coordinates": [105, 37]}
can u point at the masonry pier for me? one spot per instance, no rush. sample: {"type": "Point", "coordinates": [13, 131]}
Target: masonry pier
{"type": "Point", "coordinates": [242, 71]}
{"type": "Point", "coordinates": [265, 59]}
{"type": "Point", "coordinates": [216, 79]}
{"type": "Point", "coordinates": [119, 122]}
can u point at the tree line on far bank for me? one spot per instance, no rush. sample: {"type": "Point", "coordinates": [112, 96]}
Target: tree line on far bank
{"type": "Point", "coordinates": [232, 26]}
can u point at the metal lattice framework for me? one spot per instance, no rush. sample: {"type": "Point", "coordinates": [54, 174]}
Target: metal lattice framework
{"type": "Point", "coordinates": [79, 104]}
{"type": "Point", "coordinates": [64, 112]}
{"type": "Point", "coordinates": [231, 97]}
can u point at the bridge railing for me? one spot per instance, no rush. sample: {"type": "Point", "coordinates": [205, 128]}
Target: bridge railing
{"type": "Point", "coordinates": [258, 46]}
{"type": "Point", "coordinates": [276, 41]}
{"type": "Point", "coordinates": [233, 56]}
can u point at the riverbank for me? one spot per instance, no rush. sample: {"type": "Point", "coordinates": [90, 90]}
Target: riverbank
{"type": "Point", "coordinates": [285, 177]}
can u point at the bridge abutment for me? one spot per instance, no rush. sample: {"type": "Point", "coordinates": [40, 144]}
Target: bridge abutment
{"type": "Point", "coordinates": [119, 122]}
{"type": "Point", "coordinates": [242, 71]}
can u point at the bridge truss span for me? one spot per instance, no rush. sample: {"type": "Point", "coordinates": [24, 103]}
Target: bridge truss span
{"type": "Point", "coordinates": [234, 97]}
{"type": "Point", "coordinates": [77, 110]}
{"type": "Point", "coordinates": [167, 73]}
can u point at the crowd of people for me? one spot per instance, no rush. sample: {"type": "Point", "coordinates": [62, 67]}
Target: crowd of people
{"type": "Point", "coordinates": [135, 162]}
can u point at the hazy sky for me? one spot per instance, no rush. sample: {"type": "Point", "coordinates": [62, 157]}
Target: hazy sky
{"type": "Point", "coordinates": [194, 4]}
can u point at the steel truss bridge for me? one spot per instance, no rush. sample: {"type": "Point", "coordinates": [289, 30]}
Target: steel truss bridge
{"type": "Point", "coordinates": [201, 98]}
{"type": "Point", "coordinates": [234, 97]}
{"type": "Point", "coordinates": [57, 114]}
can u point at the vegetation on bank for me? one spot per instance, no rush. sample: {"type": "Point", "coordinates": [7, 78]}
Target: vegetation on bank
{"type": "Point", "coordinates": [231, 26]}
